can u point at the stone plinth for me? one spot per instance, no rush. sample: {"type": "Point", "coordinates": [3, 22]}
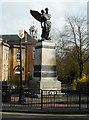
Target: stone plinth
{"type": "Point", "coordinates": [45, 77]}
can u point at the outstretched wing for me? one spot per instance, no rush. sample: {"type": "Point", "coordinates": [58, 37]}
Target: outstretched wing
{"type": "Point", "coordinates": [36, 15]}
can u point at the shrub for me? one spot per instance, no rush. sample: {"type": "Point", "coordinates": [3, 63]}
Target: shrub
{"type": "Point", "coordinates": [15, 80]}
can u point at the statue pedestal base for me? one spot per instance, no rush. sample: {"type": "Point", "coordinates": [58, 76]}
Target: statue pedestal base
{"type": "Point", "coordinates": [45, 77]}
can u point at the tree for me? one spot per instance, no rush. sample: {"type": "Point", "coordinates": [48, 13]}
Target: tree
{"type": "Point", "coordinates": [67, 67]}
{"type": "Point", "coordinates": [72, 48]}
{"type": "Point", "coordinates": [75, 35]}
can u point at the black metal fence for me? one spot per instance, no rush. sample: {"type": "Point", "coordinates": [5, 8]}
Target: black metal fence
{"type": "Point", "coordinates": [66, 99]}
{"type": "Point", "coordinates": [46, 99]}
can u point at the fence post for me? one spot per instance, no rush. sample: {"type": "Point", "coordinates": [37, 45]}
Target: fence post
{"type": "Point", "coordinates": [79, 101]}
{"type": "Point", "coordinates": [87, 101]}
{"type": "Point", "coordinates": [41, 99]}
{"type": "Point", "coordinates": [67, 99]}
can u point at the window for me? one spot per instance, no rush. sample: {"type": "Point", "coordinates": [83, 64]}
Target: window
{"type": "Point", "coordinates": [7, 54]}
{"type": "Point", "coordinates": [17, 70]}
{"type": "Point", "coordinates": [18, 54]}
{"type": "Point", "coordinates": [33, 55]}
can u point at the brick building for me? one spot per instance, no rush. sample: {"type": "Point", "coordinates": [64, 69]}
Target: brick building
{"type": "Point", "coordinates": [11, 44]}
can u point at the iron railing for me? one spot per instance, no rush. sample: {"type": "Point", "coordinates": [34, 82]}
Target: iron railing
{"type": "Point", "coordinates": [45, 99]}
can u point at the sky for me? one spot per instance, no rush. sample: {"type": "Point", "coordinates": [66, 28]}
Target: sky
{"type": "Point", "coordinates": [15, 14]}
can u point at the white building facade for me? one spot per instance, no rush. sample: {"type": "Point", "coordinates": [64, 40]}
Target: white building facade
{"type": "Point", "coordinates": [4, 61]}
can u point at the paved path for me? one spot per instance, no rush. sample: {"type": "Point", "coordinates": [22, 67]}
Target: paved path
{"type": "Point", "coordinates": [29, 116]}
{"type": "Point", "coordinates": [62, 108]}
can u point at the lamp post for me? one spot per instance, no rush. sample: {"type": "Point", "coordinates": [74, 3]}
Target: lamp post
{"type": "Point", "coordinates": [21, 92]}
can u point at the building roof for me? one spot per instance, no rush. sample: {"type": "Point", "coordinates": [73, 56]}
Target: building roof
{"type": "Point", "coordinates": [14, 39]}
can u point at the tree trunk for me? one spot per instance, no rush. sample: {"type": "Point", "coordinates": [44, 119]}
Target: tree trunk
{"type": "Point", "coordinates": [81, 70]}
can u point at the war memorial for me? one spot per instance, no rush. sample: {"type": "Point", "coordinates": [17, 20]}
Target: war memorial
{"type": "Point", "coordinates": [45, 95]}
{"type": "Point", "coordinates": [45, 76]}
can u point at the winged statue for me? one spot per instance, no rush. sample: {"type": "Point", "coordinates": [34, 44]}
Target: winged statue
{"type": "Point", "coordinates": [44, 19]}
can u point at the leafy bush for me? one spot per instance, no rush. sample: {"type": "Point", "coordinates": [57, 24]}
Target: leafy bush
{"type": "Point", "coordinates": [15, 80]}
{"type": "Point", "coordinates": [81, 84]}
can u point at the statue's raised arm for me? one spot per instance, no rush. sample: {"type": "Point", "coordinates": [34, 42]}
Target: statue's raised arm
{"type": "Point", "coordinates": [44, 19]}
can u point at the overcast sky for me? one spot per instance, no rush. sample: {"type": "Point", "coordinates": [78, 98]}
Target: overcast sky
{"type": "Point", "coordinates": [15, 13]}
